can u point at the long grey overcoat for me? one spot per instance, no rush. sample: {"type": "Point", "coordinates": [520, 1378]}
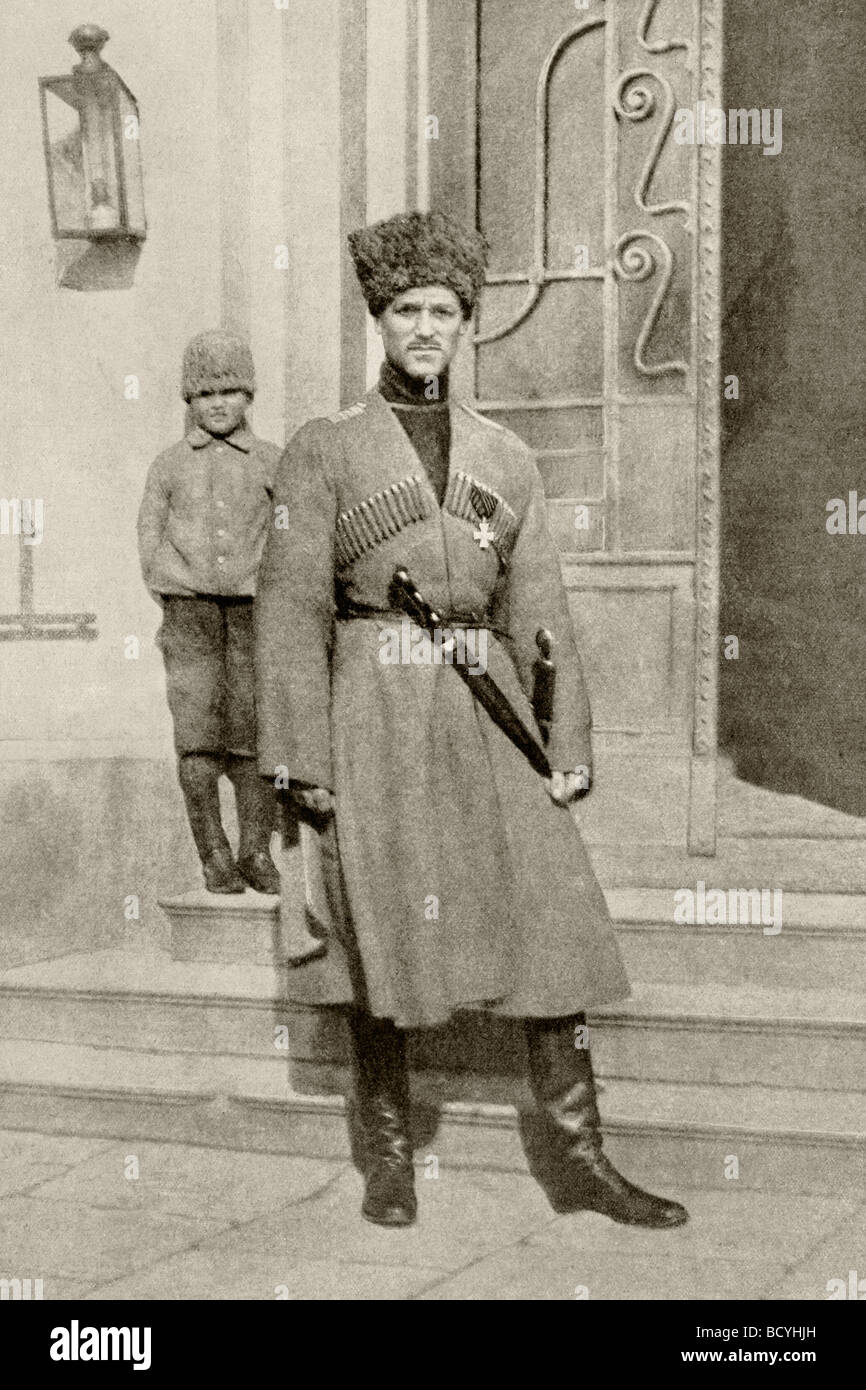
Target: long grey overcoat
{"type": "Point", "coordinates": [464, 886]}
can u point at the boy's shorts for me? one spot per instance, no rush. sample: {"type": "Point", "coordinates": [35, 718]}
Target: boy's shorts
{"type": "Point", "coordinates": [207, 646]}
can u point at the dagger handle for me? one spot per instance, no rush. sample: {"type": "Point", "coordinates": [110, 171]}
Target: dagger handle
{"type": "Point", "coordinates": [418, 606]}
{"type": "Point", "coordinates": [544, 683]}
{"type": "Point", "coordinates": [544, 643]}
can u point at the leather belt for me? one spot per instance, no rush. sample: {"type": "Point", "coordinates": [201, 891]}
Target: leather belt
{"type": "Point", "coordinates": [348, 611]}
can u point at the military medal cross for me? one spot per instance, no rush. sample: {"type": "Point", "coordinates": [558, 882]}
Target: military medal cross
{"type": "Point", "coordinates": [484, 506]}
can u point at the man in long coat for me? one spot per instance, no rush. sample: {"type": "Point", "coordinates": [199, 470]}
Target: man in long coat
{"type": "Point", "coordinates": [455, 877]}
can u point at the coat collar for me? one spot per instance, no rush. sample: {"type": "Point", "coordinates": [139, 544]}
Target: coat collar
{"type": "Point", "coordinates": [464, 455]}
{"type": "Point", "coordinates": [240, 438]}
{"type": "Point", "coordinates": [392, 446]}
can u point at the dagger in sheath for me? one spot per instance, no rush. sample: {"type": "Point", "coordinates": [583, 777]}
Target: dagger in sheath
{"type": "Point", "coordinates": [483, 687]}
{"type": "Point", "coordinates": [543, 683]}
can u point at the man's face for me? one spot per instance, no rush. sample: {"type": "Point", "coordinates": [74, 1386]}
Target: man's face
{"type": "Point", "coordinates": [219, 412]}
{"type": "Point", "coordinates": [421, 330]}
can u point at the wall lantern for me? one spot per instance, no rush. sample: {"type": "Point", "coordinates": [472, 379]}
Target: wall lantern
{"type": "Point", "coordinates": [92, 147]}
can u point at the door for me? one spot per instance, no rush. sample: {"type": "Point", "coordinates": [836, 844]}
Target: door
{"type": "Point", "coordinates": [597, 343]}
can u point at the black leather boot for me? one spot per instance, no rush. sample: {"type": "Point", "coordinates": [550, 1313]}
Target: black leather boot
{"type": "Point", "coordinates": [582, 1177]}
{"type": "Point", "coordinates": [198, 774]}
{"type": "Point", "coordinates": [257, 818]}
{"type": "Point", "coordinates": [382, 1085]}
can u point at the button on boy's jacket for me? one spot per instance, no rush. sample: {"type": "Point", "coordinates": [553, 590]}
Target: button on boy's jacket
{"type": "Point", "coordinates": [205, 514]}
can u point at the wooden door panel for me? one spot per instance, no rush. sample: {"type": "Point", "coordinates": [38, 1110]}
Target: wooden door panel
{"type": "Point", "coordinates": [540, 135]}
{"type": "Point", "coordinates": [556, 354]}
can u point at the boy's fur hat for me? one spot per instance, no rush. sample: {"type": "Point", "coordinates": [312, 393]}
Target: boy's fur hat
{"type": "Point", "coordinates": [217, 361]}
{"type": "Point", "coordinates": [418, 248]}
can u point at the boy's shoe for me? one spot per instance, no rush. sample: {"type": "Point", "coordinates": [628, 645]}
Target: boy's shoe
{"type": "Point", "coordinates": [221, 873]}
{"type": "Point", "coordinates": [260, 871]}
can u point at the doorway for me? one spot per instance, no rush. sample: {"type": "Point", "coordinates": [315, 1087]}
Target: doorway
{"type": "Point", "coordinates": [792, 712]}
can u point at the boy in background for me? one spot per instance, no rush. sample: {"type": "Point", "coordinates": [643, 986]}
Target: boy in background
{"type": "Point", "coordinates": [201, 530]}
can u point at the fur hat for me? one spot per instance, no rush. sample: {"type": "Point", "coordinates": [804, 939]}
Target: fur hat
{"type": "Point", "coordinates": [217, 361]}
{"type": "Point", "coordinates": [418, 248]}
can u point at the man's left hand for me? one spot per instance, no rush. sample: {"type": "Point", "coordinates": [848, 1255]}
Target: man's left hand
{"type": "Point", "coordinates": [565, 787]}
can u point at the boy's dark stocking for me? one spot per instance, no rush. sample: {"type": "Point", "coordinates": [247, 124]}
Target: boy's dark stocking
{"type": "Point", "coordinates": [257, 818]}
{"type": "Point", "coordinates": [198, 774]}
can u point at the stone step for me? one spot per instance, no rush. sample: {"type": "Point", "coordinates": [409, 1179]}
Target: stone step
{"type": "Point", "coordinates": [836, 865]}
{"type": "Point", "coordinates": [807, 1038]}
{"type": "Point", "coordinates": [822, 941]}
{"type": "Point", "coordinates": [657, 954]}
{"type": "Point", "coordinates": [839, 913]}
{"type": "Point", "coordinates": [678, 1135]}
{"type": "Point", "coordinates": [811, 1039]}
{"type": "Point", "coordinates": [744, 809]}
{"type": "Point", "coordinates": [210, 927]}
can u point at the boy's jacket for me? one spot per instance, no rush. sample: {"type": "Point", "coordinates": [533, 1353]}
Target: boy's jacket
{"type": "Point", "coordinates": [205, 514]}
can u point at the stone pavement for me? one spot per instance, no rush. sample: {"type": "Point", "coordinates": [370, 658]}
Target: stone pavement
{"type": "Point", "coordinates": [206, 1223]}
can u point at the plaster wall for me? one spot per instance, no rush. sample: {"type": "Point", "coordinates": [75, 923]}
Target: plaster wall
{"type": "Point", "coordinates": [259, 140]}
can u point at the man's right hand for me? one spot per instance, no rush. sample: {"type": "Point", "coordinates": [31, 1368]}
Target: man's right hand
{"type": "Point", "coordinates": [317, 799]}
